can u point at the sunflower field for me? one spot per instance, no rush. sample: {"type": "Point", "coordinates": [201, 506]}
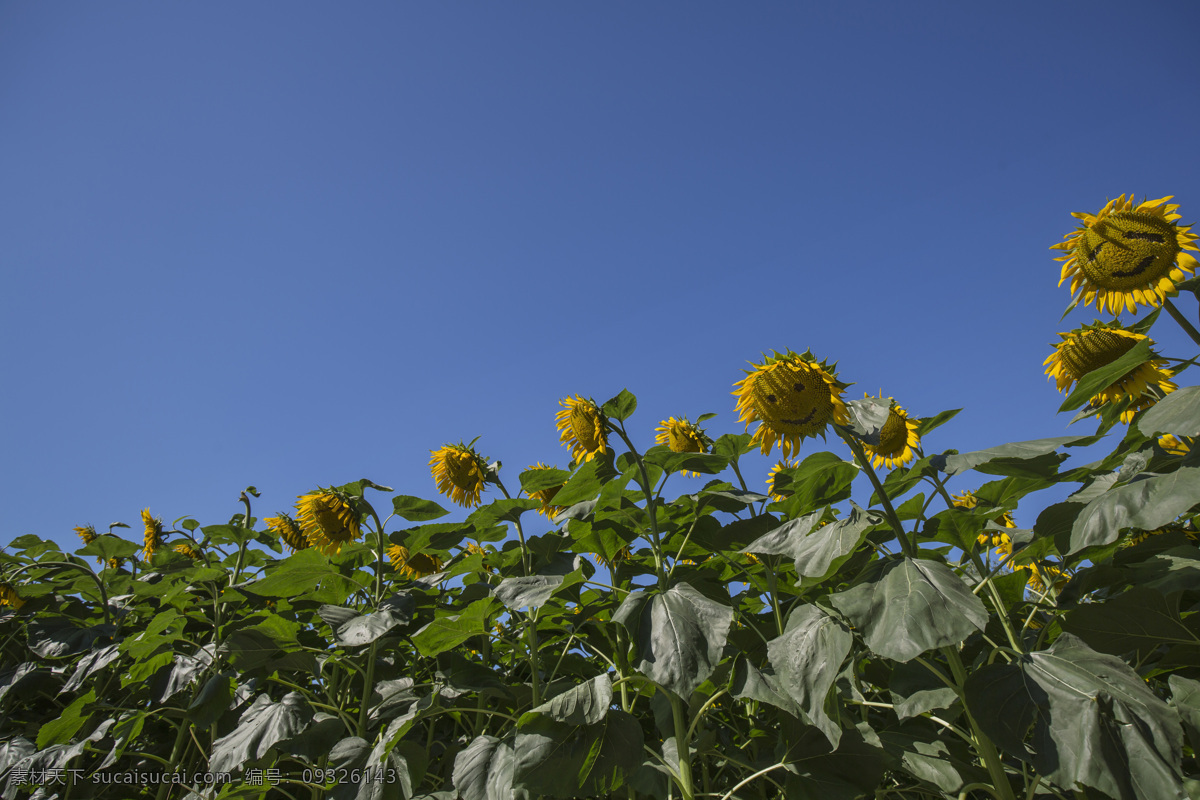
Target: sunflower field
{"type": "Point", "coordinates": [584, 634]}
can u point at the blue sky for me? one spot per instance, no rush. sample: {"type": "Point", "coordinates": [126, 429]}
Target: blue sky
{"type": "Point", "coordinates": [299, 244]}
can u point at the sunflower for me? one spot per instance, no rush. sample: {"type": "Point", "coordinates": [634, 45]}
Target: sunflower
{"type": "Point", "coordinates": [1174, 446]}
{"type": "Point", "coordinates": [683, 436]}
{"type": "Point", "coordinates": [188, 549]}
{"type": "Point", "coordinates": [9, 596]}
{"type": "Point", "coordinates": [328, 520]}
{"type": "Point", "coordinates": [476, 550]}
{"type": "Point", "coordinates": [460, 473]}
{"type": "Point", "coordinates": [1125, 255]}
{"type": "Point", "coordinates": [87, 533]}
{"type": "Point", "coordinates": [1093, 346]}
{"type": "Point", "coordinates": [544, 496]}
{"type": "Point", "coordinates": [115, 563]}
{"type": "Point", "coordinates": [153, 539]}
{"type": "Point", "coordinates": [583, 426]}
{"type": "Point", "coordinates": [897, 439]}
{"type": "Point", "coordinates": [286, 529]}
{"type": "Point", "coordinates": [774, 473]}
{"type": "Point", "coordinates": [1042, 578]}
{"type": "Point", "coordinates": [623, 554]}
{"type": "Point", "coordinates": [411, 566]}
{"type": "Point", "coordinates": [991, 538]}
{"type": "Point", "coordinates": [791, 397]}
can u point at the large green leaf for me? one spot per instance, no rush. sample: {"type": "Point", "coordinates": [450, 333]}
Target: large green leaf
{"type": "Point", "coordinates": [107, 546]}
{"type": "Point", "coordinates": [1178, 413]}
{"type": "Point", "coordinates": [301, 573]}
{"type": "Point", "coordinates": [585, 704]}
{"type": "Point", "coordinates": [707, 463]}
{"type": "Point", "coordinates": [537, 480]}
{"type": "Point", "coordinates": [527, 591]}
{"type": "Point", "coordinates": [585, 484]}
{"type": "Point", "coordinates": [678, 634]}
{"type": "Point", "coordinates": [807, 659]}
{"type": "Point", "coordinates": [1185, 695]}
{"type": "Point", "coordinates": [818, 551]}
{"type": "Point", "coordinates": [560, 759]}
{"type": "Point", "coordinates": [62, 727]}
{"type": "Point", "coordinates": [1138, 620]}
{"type": "Point", "coordinates": [1101, 378]}
{"type": "Point", "coordinates": [449, 630]}
{"type": "Point", "coordinates": [620, 407]}
{"type": "Point", "coordinates": [1147, 502]}
{"type": "Point", "coordinates": [1010, 456]}
{"type": "Point", "coordinates": [484, 769]}
{"type": "Point", "coordinates": [355, 630]}
{"type": "Point", "coordinates": [416, 509]}
{"type": "Point", "coordinates": [353, 756]}
{"type": "Point", "coordinates": [820, 479]}
{"type": "Point", "coordinates": [912, 607]}
{"type": "Point", "coordinates": [1095, 722]}
{"type": "Point", "coordinates": [867, 417]}
{"type": "Point", "coordinates": [260, 728]}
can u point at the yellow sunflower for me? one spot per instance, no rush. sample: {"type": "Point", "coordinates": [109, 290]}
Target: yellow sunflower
{"type": "Point", "coordinates": [460, 473]}
{"type": "Point", "coordinates": [897, 439]}
{"type": "Point", "coordinates": [328, 520]}
{"type": "Point", "coordinates": [153, 539]}
{"type": "Point", "coordinates": [1176, 447]}
{"type": "Point", "coordinates": [544, 496]}
{"type": "Point", "coordinates": [774, 473]}
{"type": "Point", "coordinates": [9, 596]}
{"type": "Point", "coordinates": [623, 554]}
{"type": "Point", "coordinates": [188, 549]}
{"type": "Point", "coordinates": [1126, 254]}
{"type": "Point", "coordinates": [286, 529]}
{"type": "Point", "coordinates": [582, 425]}
{"type": "Point", "coordinates": [791, 397]}
{"type": "Point", "coordinates": [992, 538]}
{"type": "Point", "coordinates": [1093, 346]}
{"type": "Point", "coordinates": [1043, 577]}
{"type": "Point", "coordinates": [411, 566]}
{"type": "Point", "coordinates": [87, 533]}
{"type": "Point", "coordinates": [474, 549]}
{"type": "Point", "coordinates": [115, 563]}
{"type": "Point", "coordinates": [683, 436]}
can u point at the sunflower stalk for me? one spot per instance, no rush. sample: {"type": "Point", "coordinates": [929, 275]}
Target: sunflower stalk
{"type": "Point", "coordinates": [1175, 313]}
{"type": "Point", "coordinates": [650, 510]}
{"type": "Point", "coordinates": [987, 750]}
{"type": "Point", "coordinates": [905, 543]}
{"type": "Point", "coordinates": [525, 563]}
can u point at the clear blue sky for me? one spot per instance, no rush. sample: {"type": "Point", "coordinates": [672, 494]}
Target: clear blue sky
{"type": "Point", "coordinates": [299, 244]}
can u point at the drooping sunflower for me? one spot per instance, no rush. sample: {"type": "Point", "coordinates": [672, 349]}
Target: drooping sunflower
{"type": "Point", "coordinates": [153, 539]}
{"type": "Point", "coordinates": [190, 550]}
{"type": "Point", "coordinates": [783, 464]}
{"type": "Point", "coordinates": [544, 496]}
{"type": "Point", "coordinates": [460, 473]}
{"type": "Point", "coordinates": [1043, 577]}
{"type": "Point", "coordinates": [411, 566]}
{"type": "Point", "coordinates": [1174, 446]}
{"type": "Point", "coordinates": [1126, 254]}
{"type": "Point", "coordinates": [328, 519]}
{"type": "Point", "coordinates": [791, 397]}
{"type": "Point", "coordinates": [9, 596]}
{"type": "Point", "coordinates": [1093, 346]}
{"type": "Point", "coordinates": [897, 439]}
{"type": "Point", "coordinates": [582, 425]}
{"type": "Point", "coordinates": [87, 533]}
{"type": "Point", "coordinates": [683, 436]}
{"type": "Point", "coordinates": [286, 529]}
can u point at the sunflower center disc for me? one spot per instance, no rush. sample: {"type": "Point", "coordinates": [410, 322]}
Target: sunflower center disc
{"type": "Point", "coordinates": [1094, 349]}
{"type": "Point", "coordinates": [893, 436]}
{"type": "Point", "coordinates": [683, 441]}
{"type": "Point", "coordinates": [460, 469]}
{"type": "Point", "coordinates": [583, 425]}
{"type": "Point", "coordinates": [792, 399]}
{"type": "Point", "coordinates": [1127, 250]}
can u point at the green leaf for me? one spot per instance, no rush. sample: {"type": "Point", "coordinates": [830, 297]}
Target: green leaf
{"type": "Point", "coordinates": [915, 690]}
{"type": "Point", "coordinates": [484, 769]}
{"type": "Point", "coordinates": [584, 484]}
{"type": "Point", "coordinates": [559, 759]}
{"type": "Point", "coordinates": [1095, 721]}
{"type": "Point", "coordinates": [107, 546]}
{"type": "Point", "coordinates": [359, 630]}
{"type": "Point", "coordinates": [1147, 502]}
{"type": "Point", "coordinates": [527, 591]}
{"type": "Point", "coordinates": [912, 607]}
{"type": "Point", "coordinates": [301, 573]}
{"type": "Point", "coordinates": [679, 635]}
{"type": "Point", "coordinates": [90, 664]}
{"type": "Point", "coordinates": [867, 417]}
{"type": "Point", "coordinates": [260, 728]}
{"type": "Point", "coordinates": [1009, 455]}
{"type": "Point", "coordinates": [504, 509]}
{"type": "Point", "coordinates": [818, 551]}
{"type": "Point", "coordinates": [733, 445]}
{"type": "Point", "coordinates": [1185, 694]}
{"type": "Point", "coordinates": [60, 729]}
{"type": "Point", "coordinates": [807, 659]}
{"type": "Point", "coordinates": [1178, 413]}
{"type": "Point", "coordinates": [537, 480]}
{"type": "Point", "coordinates": [416, 509]}
{"type": "Point", "coordinates": [1138, 620]}
{"type": "Point", "coordinates": [707, 463]}
{"type": "Point", "coordinates": [585, 704]}
{"type": "Point", "coordinates": [228, 534]}
{"type": "Point", "coordinates": [1097, 380]}
{"type": "Point", "coordinates": [450, 630]}
{"type": "Point", "coordinates": [58, 637]}
{"type": "Point", "coordinates": [927, 424]}
{"type": "Point", "coordinates": [213, 699]}
{"type": "Point", "coordinates": [821, 479]}
{"type": "Point", "coordinates": [620, 407]}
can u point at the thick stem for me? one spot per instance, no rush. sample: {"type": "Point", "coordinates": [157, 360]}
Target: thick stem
{"type": "Point", "coordinates": [1188, 328]}
{"type": "Point", "coordinates": [656, 543]}
{"type": "Point", "coordinates": [533, 657]}
{"type": "Point", "coordinates": [525, 565]}
{"type": "Point", "coordinates": [987, 750]}
{"type": "Point", "coordinates": [368, 687]}
{"type": "Point", "coordinates": [905, 544]}
{"type": "Point", "coordinates": [679, 713]}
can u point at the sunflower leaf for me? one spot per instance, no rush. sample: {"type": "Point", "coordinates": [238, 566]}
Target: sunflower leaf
{"type": "Point", "coordinates": [1009, 455]}
{"type": "Point", "coordinates": [620, 407]}
{"type": "Point", "coordinates": [540, 479]}
{"type": "Point", "coordinates": [1097, 380]}
{"type": "Point", "coordinates": [1139, 619]}
{"type": "Point", "coordinates": [926, 424]}
{"type": "Point", "coordinates": [709, 463]}
{"type": "Point", "coordinates": [263, 725]}
{"type": "Point", "coordinates": [1178, 413]}
{"type": "Point", "coordinates": [1147, 502]}
{"type": "Point", "coordinates": [820, 479]}
{"type": "Point", "coordinates": [484, 769]}
{"type": "Point", "coordinates": [584, 484]}
{"type": "Point", "coordinates": [416, 509]}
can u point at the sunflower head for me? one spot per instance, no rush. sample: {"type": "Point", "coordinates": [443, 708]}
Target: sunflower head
{"type": "Point", "coordinates": [683, 436]}
{"type": "Point", "coordinates": [460, 473]}
{"type": "Point", "coordinates": [1044, 577]}
{"type": "Point", "coordinates": [153, 539]}
{"type": "Point", "coordinates": [188, 549]}
{"type": "Point", "coordinates": [791, 397]}
{"type": "Point", "coordinates": [474, 549]}
{"type": "Point", "coordinates": [968, 500]}
{"type": "Point", "coordinates": [1126, 255]}
{"type": "Point", "coordinates": [9, 596]}
{"type": "Point", "coordinates": [1093, 346]}
{"type": "Point", "coordinates": [582, 425]}
{"type": "Point", "coordinates": [87, 533]}
{"type": "Point", "coordinates": [286, 529]}
{"type": "Point", "coordinates": [897, 439]}
{"type": "Point", "coordinates": [544, 496]}
{"type": "Point", "coordinates": [410, 566]}
{"type": "Point", "coordinates": [1174, 446]}
{"type": "Point", "coordinates": [328, 519]}
{"type": "Point", "coordinates": [115, 563]}
{"type": "Point", "coordinates": [783, 464]}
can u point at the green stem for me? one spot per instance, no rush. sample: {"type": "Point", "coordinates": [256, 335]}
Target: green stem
{"type": "Point", "coordinates": [520, 532]}
{"type": "Point", "coordinates": [987, 750]}
{"type": "Point", "coordinates": [379, 559]}
{"type": "Point", "coordinates": [533, 657]}
{"type": "Point", "coordinates": [1188, 328]}
{"type": "Point", "coordinates": [855, 447]}
{"type": "Point", "coordinates": [368, 687]}
{"type": "Point", "coordinates": [81, 568]}
{"type": "Point", "coordinates": [681, 744]}
{"type": "Point", "coordinates": [650, 510]}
